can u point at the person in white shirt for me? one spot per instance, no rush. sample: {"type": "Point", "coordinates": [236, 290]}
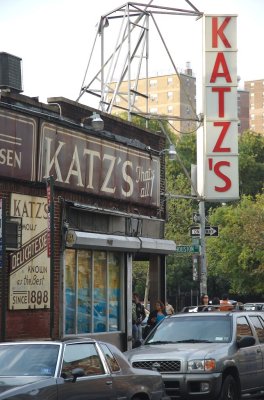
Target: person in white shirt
{"type": "Point", "coordinates": [169, 309]}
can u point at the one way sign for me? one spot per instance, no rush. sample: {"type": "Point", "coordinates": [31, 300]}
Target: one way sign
{"type": "Point", "coordinates": [209, 231]}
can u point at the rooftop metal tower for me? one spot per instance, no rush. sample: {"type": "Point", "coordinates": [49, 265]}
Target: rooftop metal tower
{"type": "Point", "coordinates": [129, 59]}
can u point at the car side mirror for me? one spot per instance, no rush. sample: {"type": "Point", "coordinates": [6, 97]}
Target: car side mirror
{"type": "Point", "coordinates": [246, 341]}
{"type": "Point", "coordinates": [77, 373]}
{"type": "Point", "coordinates": [137, 343]}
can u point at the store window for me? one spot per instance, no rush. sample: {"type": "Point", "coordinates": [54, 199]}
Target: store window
{"type": "Point", "coordinates": [92, 291]}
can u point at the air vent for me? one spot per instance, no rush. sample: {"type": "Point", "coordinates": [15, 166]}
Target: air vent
{"type": "Point", "coordinates": [10, 72]}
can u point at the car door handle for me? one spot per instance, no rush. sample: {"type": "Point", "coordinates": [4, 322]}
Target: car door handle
{"type": "Point", "coordinates": [108, 382]}
{"type": "Point", "coordinates": [258, 350]}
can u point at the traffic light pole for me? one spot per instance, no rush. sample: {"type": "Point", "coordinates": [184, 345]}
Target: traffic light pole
{"type": "Point", "coordinates": [203, 268]}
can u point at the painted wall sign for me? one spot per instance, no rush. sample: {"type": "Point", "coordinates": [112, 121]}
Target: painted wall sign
{"type": "Point", "coordinates": [92, 165]}
{"type": "Point", "coordinates": [29, 266]}
{"type": "Point", "coordinates": [17, 146]}
{"type": "Point", "coordinates": [217, 142]}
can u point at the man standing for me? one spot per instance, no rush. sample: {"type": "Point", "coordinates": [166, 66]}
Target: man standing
{"type": "Point", "coordinates": [137, 318]}
{"type": "Point", "coordinates": [225, 304]}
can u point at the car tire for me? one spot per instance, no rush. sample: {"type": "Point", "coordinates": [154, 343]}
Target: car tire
{"type": "Point", "coordinates": [229, 390]}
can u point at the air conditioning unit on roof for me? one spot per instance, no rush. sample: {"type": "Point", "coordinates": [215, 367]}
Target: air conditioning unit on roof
{"type": "Point", "coordinates": [10, 72]}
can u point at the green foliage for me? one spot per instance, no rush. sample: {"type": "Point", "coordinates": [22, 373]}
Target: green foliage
{"type": "Point", "coordinates": [237, 255]}
{"type": "Point", "coordinates": [139, 274]}
{"type": "Point", "coordinates": [251, 163]}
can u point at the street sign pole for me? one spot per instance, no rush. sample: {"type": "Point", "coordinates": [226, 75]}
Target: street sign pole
{"type": "Point", "coordinates": [203, 276]}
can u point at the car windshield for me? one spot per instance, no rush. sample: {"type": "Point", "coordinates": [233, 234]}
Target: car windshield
{"type": "Point", "coordinates": [28, 359]}
{"type": "Point", "coordinates": [192, 330]}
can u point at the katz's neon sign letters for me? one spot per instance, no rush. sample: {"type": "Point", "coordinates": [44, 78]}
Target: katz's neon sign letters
{"type": "Point", "coordinates": [218, 169]}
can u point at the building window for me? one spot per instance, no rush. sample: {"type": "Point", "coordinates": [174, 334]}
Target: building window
{"type": "Point", "coordinates": [252, 84]}
{"type": "Point", "coordinates": [153, 82]}
{"type": "Point", "coordinates": [118, 99]}
{"type": "Point", "coordinates": [170, 80]}
{"type": "Point", "coordinates": [92, 291]}
{"type": "Point", "coordinates": [252, 116]}
{"type": "Point", "coordinates": [170, 95]}
{"type": "Point", "coordinates": [252, 94]}
{"type": "Point", "coordinates": [154, 97]}
{"type": "Point", "coordinates": [170, 109]}
{"type": "Point", "coordinates": [153, 110]}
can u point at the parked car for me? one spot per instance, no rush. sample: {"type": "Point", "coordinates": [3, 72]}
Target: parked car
{"type": "Point", "coordinates": [73, 369]}
{"type": "Point", "coordinates": [254, 306]}
{"type": "Point", "coordinates": [206, 355]}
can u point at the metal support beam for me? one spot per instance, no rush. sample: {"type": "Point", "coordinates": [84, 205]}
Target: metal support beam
{"type": "Point", "coordinates": [203, 267]}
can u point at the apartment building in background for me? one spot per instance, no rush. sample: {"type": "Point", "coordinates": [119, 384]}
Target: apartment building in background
{"type": "Point", "coordinates": [256, 104]}
{"type": "Point", "coordinates": [243, 110]}
{"type": "Point", "coordinates": [172, 96]}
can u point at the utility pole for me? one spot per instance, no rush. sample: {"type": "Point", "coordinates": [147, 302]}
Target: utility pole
{"type": "Point", "coordinates": [203, 267]}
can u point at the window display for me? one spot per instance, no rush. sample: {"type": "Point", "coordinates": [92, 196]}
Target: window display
{"type": "Point", "coordinates": [92, 291]}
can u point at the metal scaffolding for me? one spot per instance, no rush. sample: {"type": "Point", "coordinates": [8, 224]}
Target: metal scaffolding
{"type": "Point", "coordinates": [129, 59]}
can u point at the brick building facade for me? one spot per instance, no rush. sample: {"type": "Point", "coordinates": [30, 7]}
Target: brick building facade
{"type": "Point", "coordinates": [78, 206]}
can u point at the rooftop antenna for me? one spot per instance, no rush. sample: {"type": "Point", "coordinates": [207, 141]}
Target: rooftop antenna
{"type": "Point", "coordinates": [129, 59]}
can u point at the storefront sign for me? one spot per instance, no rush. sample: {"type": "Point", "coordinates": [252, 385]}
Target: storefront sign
{"type": "Point", "coordinates": [217, 144]}
{"type": "Point", "coordinates": [17, 146]}
{"type": "Point", "coordinates": [92, 165]}
{"type": "Point", "coordinates": [29, 266]}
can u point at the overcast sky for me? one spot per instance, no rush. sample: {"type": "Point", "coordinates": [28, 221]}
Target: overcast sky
{"type": "Point", "coordinates": [54, 38]}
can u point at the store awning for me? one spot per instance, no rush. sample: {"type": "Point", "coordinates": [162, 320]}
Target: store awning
{"type": "Point", "coordinates": [88, 240]}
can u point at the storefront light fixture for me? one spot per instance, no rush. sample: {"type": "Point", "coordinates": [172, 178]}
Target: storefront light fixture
{"type": "Point", "coordinates": [97, 123]}
{"type": "Point", "coordinates": [171, 152]}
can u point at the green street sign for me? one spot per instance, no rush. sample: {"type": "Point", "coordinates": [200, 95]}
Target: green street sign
{"type": "Point", "coordinates": [187, 249]}
{"type": "Point", "coordinates": [196, 241]}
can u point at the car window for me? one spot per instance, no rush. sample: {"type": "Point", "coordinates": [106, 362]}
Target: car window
{"type": "Point", "coordinates": [243, 328]}
{"type": "Point", "coordinates": [258, 328]}
{"type": "Point", "coordinates": [28, 359]}
{"type": "Point", "coordinates": [208, 329]}
{"type": "Point", "coordinates": [111, 360]}
{"type": "Point", "coordinates": [84, 356]}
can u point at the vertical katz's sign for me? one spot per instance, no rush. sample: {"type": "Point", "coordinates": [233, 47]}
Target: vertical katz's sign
{"type": "Point", "coordinates": [29, 266]}
{"type": "Point", "coordinates": [217, 145]}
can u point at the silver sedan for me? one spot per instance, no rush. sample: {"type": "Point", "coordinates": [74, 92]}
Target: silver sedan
{"type": "Point", "coordinates": [73, 370]}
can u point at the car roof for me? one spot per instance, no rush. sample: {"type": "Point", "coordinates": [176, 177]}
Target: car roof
{"type": "Point", "coordinates": [219, 314]}
{"type": "Point", "coordinates": [69, 340]}
{"type": "Point", "coordinates": [199, 313]}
